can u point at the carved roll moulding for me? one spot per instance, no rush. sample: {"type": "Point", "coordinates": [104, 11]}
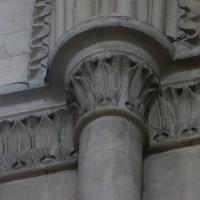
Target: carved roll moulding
{"type": "Point", "coordinates": [40, 40]}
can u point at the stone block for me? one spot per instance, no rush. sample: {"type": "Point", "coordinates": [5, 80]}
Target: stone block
{"type": "Point", "coordinates": [58, 186]}
{"type": "Point", "coordinates": [13, 69]}
{"type": "Point", "coordinates": [15, 15]}
{"type": "Point", "coordinates": [17, 43]}
{"type": "Point", "coordinates": [172, 175]}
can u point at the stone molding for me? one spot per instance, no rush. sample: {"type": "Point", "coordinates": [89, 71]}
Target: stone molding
{"type": "Point", "coordinates": [113, 112]}
{"type": "Point", "coordinates": [39, 45]}
{"type": "Point", "coordinates": [183, 12]}
{"type": "Point", "coordinates": [125, 27]}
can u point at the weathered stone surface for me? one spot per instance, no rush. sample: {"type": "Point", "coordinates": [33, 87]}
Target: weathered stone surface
{"type": "Point", "coordinates": [17, 43]}
{"type": "Point", "coordinates": [114, 80]}
{"type": "Point", "coordinates": [38, 140]}
{"type": "Point", "coordinates": [13, 68]}
{"type": "Point", "coordinates": [15, 19]}
{"type": "Point", "coordinates": [122, 63]}
{"type": "Point", "coordinates": [110, 150]}
{"type": "Point", "coordinates": [15, 15]}
{"type": "Point", "coordinates": [172, 175]}
{"type": "Point", "coordinates": [109, 93]}
{"type": "Point", "coordinates": [59, 186]}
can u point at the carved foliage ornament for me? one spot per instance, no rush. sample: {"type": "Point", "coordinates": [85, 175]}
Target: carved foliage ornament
{"type": "Point", "coordinates": [35, 140]}
{"type": "Point", "coordinates": [116, 80]}
{"type": "Point", "coordinates": [178, 117]}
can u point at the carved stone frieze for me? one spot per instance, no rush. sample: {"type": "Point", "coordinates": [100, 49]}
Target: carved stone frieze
{"type": "Point", "coordinates": [175, 115]}
{"type": "Point", "coordinates": [116, 80]}
{"type": "Point", "coordinates": [35, 141]}
{"type": "Point", "coordinates": [41, 25]}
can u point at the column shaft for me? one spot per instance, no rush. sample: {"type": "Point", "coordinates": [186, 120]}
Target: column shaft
{"type": "Point", "coordinates": [110, 160]}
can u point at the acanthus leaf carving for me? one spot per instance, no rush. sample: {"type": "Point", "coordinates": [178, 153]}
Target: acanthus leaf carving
{"type": "Point", "coordinates": [31, 141]}
{"type": "Point", "coordinates": [115, 80]}
{"type": "Point", "coordinates": [143, 87]}
{"type": "Point", "coordinates": [161, 120]}
{"type": "Point", "coordinates": [187, 112]}
{"type": "Point", "coordinates": [178, 107]}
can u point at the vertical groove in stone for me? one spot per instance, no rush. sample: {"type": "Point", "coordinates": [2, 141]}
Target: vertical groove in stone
{"type": "Point", "coordinates": [74, 11]}
{"type": "Point", "coordinates": [60, 18]}
{"type": "Point", "coordinates": [85, 9]}
{"type": "Point", "coordinates": [97, 5]}
{"type": "Point", "coordinates": [150, 11]}
{"type": "Point", "coordinates": [142, 10]}
{"type": "Point", "coordinates": [113, 6]}
{"type": "Point", "coordinates": [172, 16]}
{"type": "Point", "coordinates": [159, 14]}
{"type": "Point", "coordinates": [105, 5]}
{"type": "Point", "coordinates": [127, 8]}
{"type": "Point", "coordinates": [69, 9]}
{"type": "Point", "coordinates": [133, 7]}
{"type": "Point", "coordinates": [53, 28]}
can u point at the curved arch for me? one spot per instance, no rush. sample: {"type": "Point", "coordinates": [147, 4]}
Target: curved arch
{"type": "Point", "coordinates": [101, 29]}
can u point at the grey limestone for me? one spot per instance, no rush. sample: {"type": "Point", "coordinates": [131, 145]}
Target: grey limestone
{"type": "Point", "coordinates": [172, 175]}
{"type": "Point", "coordinates": [120, 71]}
{"type": "Point", "coordinates": [110, 160]}
{"type": "Point", "coordinates": [15, 20]}
{"type": "Point", "coordinates": [59, 186]}
{"type": "Point", "coordinates": [17, 43]}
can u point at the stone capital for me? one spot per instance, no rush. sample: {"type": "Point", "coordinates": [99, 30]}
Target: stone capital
{"type": "Point", "coordinates": [116, 80]}
{"type": "Point", "coordinates": [106, 66]}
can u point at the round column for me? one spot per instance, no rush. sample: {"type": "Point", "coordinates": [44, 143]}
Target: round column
{"type": "Point", "coordinates": [110, 159]}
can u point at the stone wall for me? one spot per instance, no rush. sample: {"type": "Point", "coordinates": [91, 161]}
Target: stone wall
{"type": "Point", "coordinates": [59, 186]}
{"type": "Point", "coordinates": [23, 23]}
{"type": "Point", "coordinates": [172, 175]}
{"type": "Point", "coordinates": [15, 34]}
{"type": "Point", "coordinates": [71, 62]}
